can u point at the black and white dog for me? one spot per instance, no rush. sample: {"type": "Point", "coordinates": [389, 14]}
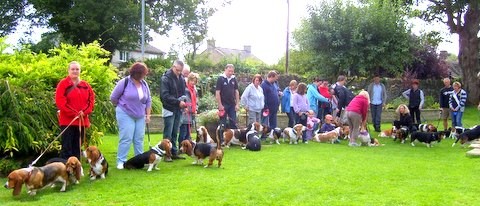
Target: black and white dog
{"type": "Point", "coordinates": [426, 137]}
{"type": "Point", "coordinates": [253, 141]}
{"type": "Point", "coordinates": [151, 157]}
{"type": "Point", "coordinates": [271, 134]}
{"type": "Point", "coordinates": [467, 135]}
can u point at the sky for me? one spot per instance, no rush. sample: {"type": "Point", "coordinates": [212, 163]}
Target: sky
{"type": "Point", "coordinates": [262, 25]}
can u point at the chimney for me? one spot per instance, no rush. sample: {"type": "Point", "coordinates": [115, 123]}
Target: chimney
{"type": "Point", "coordinates": [211, 43]}
{"type": "Point", "coordinates": [247, 48]}
{"type": "Point", "coordinates": [443, 55]}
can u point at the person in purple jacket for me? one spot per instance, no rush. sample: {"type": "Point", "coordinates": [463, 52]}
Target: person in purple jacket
{"type": "Point", "coordinates": [132, 101]}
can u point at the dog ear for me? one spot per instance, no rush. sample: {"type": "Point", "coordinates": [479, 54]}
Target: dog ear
{"type": "Point", "coordinates": [18, 186]}
{"type": "Point", "coordinates": [78, 170]}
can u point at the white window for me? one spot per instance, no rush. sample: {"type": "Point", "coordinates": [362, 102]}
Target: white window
{"type": "Point", "coordinates": [124, 56]}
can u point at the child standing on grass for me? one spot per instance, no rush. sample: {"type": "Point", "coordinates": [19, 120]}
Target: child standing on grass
{"type": "Point", "coordinates": [312, 121]}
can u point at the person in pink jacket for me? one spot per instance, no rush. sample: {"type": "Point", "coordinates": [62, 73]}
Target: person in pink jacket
{"type": "Point", "coordinates": [357, 115]}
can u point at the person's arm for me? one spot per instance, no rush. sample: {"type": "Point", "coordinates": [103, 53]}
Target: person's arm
{"type": "Point", "coordinates": [117, 92]}
{"type": "Point", "coordinates": [422, 99]}
{"type": "Point", "coordinates": [266, 93]}
{"type": "Point", "coordinates": [406, 94]}
{"type": "Point", "coordinates": [243, 99]}
{"type": "Point", "coordinates": [450, 102]}
{"type": "Point", "coordinates": [237, 100]}
{"type": "Point", "coordinates": [91, 100]}
{"type": "Point", "coordinates": [318, 96]}
{"type": "Point", "coordinates": [463, 98]}
{"type": "Point", "coordinates": [217, 94]}
{"type": "Point", "coordinates": [165, 93]}
{"type": "Point", "coordinates": [148, 112]}
{"type": "Point", "coordinates": [296, 107]}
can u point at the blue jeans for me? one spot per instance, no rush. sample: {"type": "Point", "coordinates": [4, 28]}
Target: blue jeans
{"type": "Point", "coordinates": [457, 119]}
{"type": "Point", "coordinates": [170, 130]}
{"type": "Point", "coordinates": [185, 133]}
{"type": "Point", "coordinates": [376, 111]}
{"type": "Point", "coordinates": [232, 114]}
{"type": "Point", "coordinates": [131, 130]}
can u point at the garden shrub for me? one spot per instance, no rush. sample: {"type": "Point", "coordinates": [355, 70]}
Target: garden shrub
{"type": "Point", "coordinates": [430, 103]}
{"type": "Point", "coordinates": [27, 102]}
{"type": "Point", "coordinates": [7, 166]}
{"type": "Point", "coordinates": [207, 103]}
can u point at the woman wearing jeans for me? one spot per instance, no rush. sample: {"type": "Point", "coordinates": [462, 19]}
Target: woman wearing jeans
{"type": "Point", "coordinates": [132, 99]}
{"type": "Point", "coordinates": [457, 103]}
{"type": "Point", "coordinates": [287, 102]}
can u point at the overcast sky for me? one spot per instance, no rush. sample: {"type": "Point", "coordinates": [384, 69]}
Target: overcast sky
{"type": "Point", "coordinates": [261, 24]}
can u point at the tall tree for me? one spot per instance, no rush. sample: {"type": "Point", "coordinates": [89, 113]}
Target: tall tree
{"type": "Point", "coordinates": [356, 38]}
{"type": "Point", "coordinates": [11, 12]}
{"type": "Point", "coordinates": [463, 18]}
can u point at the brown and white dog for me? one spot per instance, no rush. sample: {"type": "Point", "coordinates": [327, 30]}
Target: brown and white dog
{"type": "Point", "coordinates": [271, 134]}
{"type": "Point", "coordinates": [346, 132]}
{"type": "Point", "coordinates": [98, 163]}
{"type": "Point", "coordinates": [151, 157]}
{"type": "Point", "coordinates": [41, 177]}
{"type": "Point", "coordinates": [293, 134]}
{"type": "Point", "coordinates": [16, 179]}
{"type": "Point", "coordinates": [74, 169]}
{"type": "Point", "coordinates": [203, 136]}
{"type": "Point", "coordinates": [239, 136]}
{"type": "Point", "coordinates": [330, 136]}
{"type": "Point", "coordinates": [387, 133]}
{"type": "Point", "coordinates": [200, 151]}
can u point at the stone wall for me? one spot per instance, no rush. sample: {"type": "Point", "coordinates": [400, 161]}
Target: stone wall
{"type": "Point", "coordinates": [431, 116]}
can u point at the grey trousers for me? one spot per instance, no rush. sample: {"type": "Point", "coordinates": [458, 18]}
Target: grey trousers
{"type": "Point", "coordinates": [354, 121]}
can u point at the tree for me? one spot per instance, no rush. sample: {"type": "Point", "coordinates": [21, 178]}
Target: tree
{"type": "Point", "coordinates": [115, 24]}
{"type": "Point", "coordinates": [356, 39]}
{"type": "Point", "coordinates": [11, 12]}
{"type": "Point", "coordinates": [463, 18]}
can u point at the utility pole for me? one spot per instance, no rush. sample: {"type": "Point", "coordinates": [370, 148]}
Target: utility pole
{"type": "Point", "coordinates": [288, 37]}
{"type": "Point", "coordinates": [143, 31]}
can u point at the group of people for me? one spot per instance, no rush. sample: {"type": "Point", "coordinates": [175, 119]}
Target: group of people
{"type": "Point", "coordinates": [310, 105]}
{"type": "Point", "coordinates": [452, 100]}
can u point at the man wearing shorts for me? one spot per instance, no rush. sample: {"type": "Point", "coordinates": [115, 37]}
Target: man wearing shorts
{"type": "Point", "coordinates": [445, 93]}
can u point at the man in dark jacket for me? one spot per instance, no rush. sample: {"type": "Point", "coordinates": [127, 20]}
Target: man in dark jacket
{"type": "Point", "coordinates": [445, 93]}
{"type": "Point", "coordinates": [172, 96]}
{"type": "Point", "coordinates": [271, 99]}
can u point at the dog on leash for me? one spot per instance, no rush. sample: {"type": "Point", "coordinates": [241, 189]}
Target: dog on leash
{"type": "Point", "coordinates": [468, 135]}
{"type": "Point", "coordinates": [426, 137]}
{"type": "Point", "coordinates": [401, 134]}
{"type": "Point", "coordinates": [16, 179]}
{"type": "Point", "coordinates": [271, 134]}
{"type": "Point", "coordinates": [151, 157]}
{"type": "Point", "coordinates": [330, 136]}
{"type": "Point", "coordinates": [98, 163]}
{"type": "Point", "coordinates": [387, 133]}
{"type": "Point", "coordinates": [200, 151]}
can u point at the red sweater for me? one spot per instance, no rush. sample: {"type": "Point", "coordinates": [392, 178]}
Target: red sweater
{"type": "Point", "coordinates": [324, 91]}
{"type": "Point", "coordinates": [80, 98]}
{"type": "Point", "coordinates": [359, 104]}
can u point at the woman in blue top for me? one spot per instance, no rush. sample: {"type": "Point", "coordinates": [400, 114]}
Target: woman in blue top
{"type": "Point", "coordinates": [287, 102]}
{"type": "Point", "coordinates": [253, 100]}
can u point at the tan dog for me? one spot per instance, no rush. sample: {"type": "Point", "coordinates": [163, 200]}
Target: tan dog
{"type": "Point", "coordinates": [166, 146]}
{"type": "Point", "coordinates": [330, 136]}
{"type": "Point", "coordinates": [239, 136]}
{"type": "Point", "coordinates": [98, 163]}
{"type": "Point", "coordinates": [387, 133]}
{"type": "Point", "coordinates": [203, 136]}
{"type": "Point", "coordinates": [74, 169]}
{"type": "Point", "coordinates": [41, 177]}
{"type": "Point", "coordinates": [200, 151]}
{"type": "Point", "coordinates": [293, 134]}
{"type": "Point", "coordinates": [346, 132]}
{"type": "Point", "coordinates": [16, 179]}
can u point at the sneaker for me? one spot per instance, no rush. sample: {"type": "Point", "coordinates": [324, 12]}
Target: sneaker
{"type": "Point", "coordinates": [353, 144]}
{"type": "Point", "coordinates": [306, 142]}
{"type": "Point", "coordinates": [168, 159]}
{"type": "Point", "coordinates": [176, 157]}
{"type": "Point", "coordinates": [120, 166]}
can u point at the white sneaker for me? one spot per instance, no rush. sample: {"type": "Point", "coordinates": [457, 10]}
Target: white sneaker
{"type": "Point", "coordinates": [120, 166]}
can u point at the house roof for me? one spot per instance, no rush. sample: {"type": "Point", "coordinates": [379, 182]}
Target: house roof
{"type": "Point", "coordinates": [227, 52]}
{"type": "Point", "coordinates": [149, 49]}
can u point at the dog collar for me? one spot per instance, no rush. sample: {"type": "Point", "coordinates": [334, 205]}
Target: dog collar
{"type": "Point", "coordinates": [158, 150]}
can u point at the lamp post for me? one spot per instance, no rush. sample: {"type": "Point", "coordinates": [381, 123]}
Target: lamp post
{"type": "Point", "coordinates": [143, 31]}
{"type": "Point", "coordinates": [288, 37]}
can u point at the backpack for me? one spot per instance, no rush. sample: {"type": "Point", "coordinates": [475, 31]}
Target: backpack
{"type": "Point", "coordinates": [349, 96]}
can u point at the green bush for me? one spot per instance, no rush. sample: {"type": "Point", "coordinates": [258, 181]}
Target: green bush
{"type": "Point", "coordinates": [7, 166]}
{"type": "Point", "coordinates": [207, 103]}
{"type": "Point", "coordinates": [28, 122]}
{"type": "Point", "coordinates": [208, 117]}
{"type": "Point", "coordinates": [156, 105]}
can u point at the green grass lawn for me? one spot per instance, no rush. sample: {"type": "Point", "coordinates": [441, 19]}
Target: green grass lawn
{"type": "Point", "coordinates": [304, 174]}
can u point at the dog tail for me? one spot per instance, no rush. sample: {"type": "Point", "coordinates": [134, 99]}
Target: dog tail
{"type": "Point", "coordinates": [219, 144]}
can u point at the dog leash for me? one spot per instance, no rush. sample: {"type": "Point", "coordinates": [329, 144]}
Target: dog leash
{"type": "Point", "coordinates": [148, 135]}
{"type": "Point", "coordinates": [35, 161]}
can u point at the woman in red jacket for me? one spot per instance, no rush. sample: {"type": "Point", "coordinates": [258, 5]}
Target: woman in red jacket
{"type": "Point", "coordinates": [73, 97]}
{"type": "Point", "coordinates": [357, 115]}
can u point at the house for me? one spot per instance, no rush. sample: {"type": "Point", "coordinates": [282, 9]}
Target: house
{"type": "Point", "coordinates": [216, 54]}
{"type": "Point", "coordinates": [151, 52]}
